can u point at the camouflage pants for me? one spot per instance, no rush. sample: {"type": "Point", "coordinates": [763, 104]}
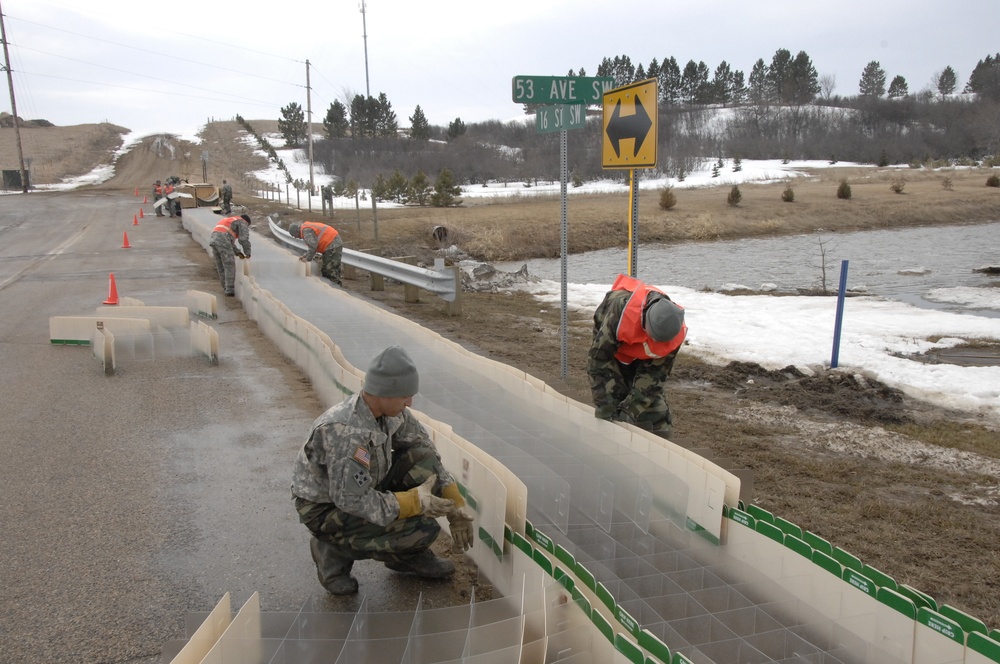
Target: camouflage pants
{"type": "Point", "coordinates": [225, 260]}
{"type": "Point", "coordinates": [645, 405]}
{"type": "Point", "coordinates": [352, 538]}
{"type": "Point", "coordinates": [227, 204]}
{"type": "Point", "coordinates": [331, 259]}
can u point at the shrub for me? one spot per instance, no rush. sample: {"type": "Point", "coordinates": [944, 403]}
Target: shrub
{"type": "Point", "coordinates": [844, 190]}
{"type": "Point", "coordinates": [735, 196]}
{"type": "Point", "coordinates": [993, 181]}
{"type": "Point", "coordinates": [947, 184]}
{"type": "Point", "coordinates": [898, 185]}
{"type": "Point", "coordinates": [667, 198]}
{"type": "Point", "coordinates": [788, 195]}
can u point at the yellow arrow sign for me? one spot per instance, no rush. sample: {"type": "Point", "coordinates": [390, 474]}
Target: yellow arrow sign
{"type": "Point", "coordinates": [630, 126]}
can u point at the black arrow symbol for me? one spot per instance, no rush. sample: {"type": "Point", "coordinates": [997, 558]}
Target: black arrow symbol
{"type": "Point", "coordinates": [631, 126]}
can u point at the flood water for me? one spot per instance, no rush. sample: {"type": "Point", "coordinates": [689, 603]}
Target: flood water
{"type": "Point", "coordinates": [903, 264]}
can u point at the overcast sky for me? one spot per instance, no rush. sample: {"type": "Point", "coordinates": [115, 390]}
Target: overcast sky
{"type": "Point", "coordinates": [173, 65]}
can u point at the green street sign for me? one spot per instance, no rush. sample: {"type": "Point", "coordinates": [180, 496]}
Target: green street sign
{"type": "Point", "coordinates": [560, 89]}
{"type": "Point", "coordinates": [558, 118]}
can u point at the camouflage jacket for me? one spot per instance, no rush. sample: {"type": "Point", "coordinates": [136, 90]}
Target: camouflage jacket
{"type": "Point", "coordinates": [348, 455]}
{"type": "Point", "coordinates": [242, 231]}
{"type": "Point", "coordinates": [622, 392]}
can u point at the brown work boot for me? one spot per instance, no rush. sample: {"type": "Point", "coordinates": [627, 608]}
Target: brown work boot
{"type": "Point", "coordinates": [333, 570]}
{"type": "Point", "coordinates": [424, 564]}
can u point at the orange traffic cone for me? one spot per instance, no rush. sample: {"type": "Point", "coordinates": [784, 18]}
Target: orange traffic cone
{"type": "Point", "coordinates": [125, 244]}
{"type": "Point", "coordinates": [137, 191]}
{"type": "Point", "coordinates": [135, 219]}
{"type": "Point", "coordinates": [144, 201]}
{"type": "Point", "coordinates": [141, 215]}
{"type": "Point", "coordinates": [112, 292]}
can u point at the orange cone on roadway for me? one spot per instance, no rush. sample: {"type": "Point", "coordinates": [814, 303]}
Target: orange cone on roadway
{"type": "Point", "coordinates": [137, 191]}
{"type": "Point", "coordinates": [135, 220]}
{"type": "Point", "coordinates": [125, 244]}
{"type": "Point", "coordinates": [144, 201]}
{"type": "Point", "coordinates": [141, 215]}
{"type": "Point", "coordinates": [112, 291]}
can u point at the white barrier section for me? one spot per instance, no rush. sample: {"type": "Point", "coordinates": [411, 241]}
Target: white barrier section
{"type": "Point", "coordinates": [607, 544]}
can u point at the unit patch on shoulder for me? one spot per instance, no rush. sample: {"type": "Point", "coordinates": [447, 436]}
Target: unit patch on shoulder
{"type": "Point", "coordinates": [362, 478]}
{"type": "Point", "coordinates": [362, 456]}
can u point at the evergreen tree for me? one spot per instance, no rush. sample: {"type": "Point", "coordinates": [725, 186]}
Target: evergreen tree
{"type": "Point", "coordinates": [360, 124]}
{"type": "Point", "coordinates": [640, 73]}
{"type": "Point", "coordinates": [335, 124]}
{"type": "Point", "coordinates": [397, 188]}
{"type": "Point", "coordinates": [653, 70]}
{"type": "Point", "coordinates": [802, 81]}
{"type": "Point", "coordinates": [739, 88]}
{"type": "Point", "coordinates": [420, 188]}
{"type": "Point", "coordinates": [985, 78]}
{"type": "Point", "coordinates": [670, 82]}
{"type": "Point", "coordinates": [420, 128]}
{"type": "Point", "coordinates": [946, 82]}
{"type": "Point", "coordinates": [691, 83]}
{"type": "Point", "coordinates": [722, 84]}
{"type": "Point", "coordinates": [872, 83]}
{"type": "Point", "coordinates": [386, 125]}
{"type": "Point", "coordinates": [779, 75]}
{"type": "Point", "coordinates": [445, 190]}
{"type": "Point", "coordinates": [898, 88]}
{"type": "Point", "coordinates": [292, 125]}
{"type": "Point", "coordinates": [456, 129]}
{"type": "Point", "coordinates": [757, 91]}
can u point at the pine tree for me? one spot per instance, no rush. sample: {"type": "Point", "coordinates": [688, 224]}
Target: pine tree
{"type": "Point", "coordinates": [445, 190]}
{"type": "Point", "coordinates": [335, 124]}
{"type": "Point", "coordinates": [802, 80]}
{"type": "Point", "coordinates": [386, 125]}
{"type": "Point", "coordinates": [872, 83]}
{"type": "Point", "coordinates": [779, 76]}
{"type": "Point", "coordinates": [292, 125]}
{"type": "Point", "coordinates": [420, 128]}
{"type": "Point", "coordinates": [946, 82]}
{"type": "Point", "coordinates": [985, 78]}
{"type": "Point", "coordinates": [420, 188]}
{"type": "Point", "coordinates": [898, 88]}
{"type": "Point", "coordinates": [455, 129]}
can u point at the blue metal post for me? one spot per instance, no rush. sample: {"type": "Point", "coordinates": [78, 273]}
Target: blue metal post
{"type": "Point", "coordinates": [841, 294]}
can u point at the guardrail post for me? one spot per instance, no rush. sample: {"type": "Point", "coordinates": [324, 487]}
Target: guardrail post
{"type": "Point", "coordinates": [411, 293]}
{"type": "Point", "coordinates": [454, 308]}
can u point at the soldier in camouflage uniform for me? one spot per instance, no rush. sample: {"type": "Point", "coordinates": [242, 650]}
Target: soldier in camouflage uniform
{"type": "Point", "coordinates": [324, 240]}
{"type": "Point", "coordinates": [223, 242]}
{"type": "Point", "coordinates": [637, 333]}
{"type": "Point", "coordinates": [369, 483]}
{"type": "Point", "coordinates": [227, 197]}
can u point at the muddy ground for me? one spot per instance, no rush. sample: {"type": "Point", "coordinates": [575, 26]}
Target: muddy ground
{"type": "Point", "coordinates": [908, 487]}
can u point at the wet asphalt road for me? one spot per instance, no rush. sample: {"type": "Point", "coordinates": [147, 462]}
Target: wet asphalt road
{"type": "Point", "coordinates": [130, 500]}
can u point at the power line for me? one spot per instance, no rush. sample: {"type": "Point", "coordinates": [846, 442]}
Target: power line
{"type": "Point", "coordinates": [158, 53]}
{"type": "Point", "coordinates": [129, 87]}
{"type": "Point", "coordinates": [124, 71]}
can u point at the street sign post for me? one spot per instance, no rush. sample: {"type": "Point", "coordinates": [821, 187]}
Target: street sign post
{"type": "Point", "coordinates": [587, 90]}
{"type": "Point", "coordinates": [629, 141]}
{"type": "Point", "coordinates": [560, 117]}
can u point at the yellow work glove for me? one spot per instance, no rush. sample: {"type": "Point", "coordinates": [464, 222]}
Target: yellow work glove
{"type": "Point", "coordinates": [420, 501]}
{"type": "Point", "coordinates": [460, 522]}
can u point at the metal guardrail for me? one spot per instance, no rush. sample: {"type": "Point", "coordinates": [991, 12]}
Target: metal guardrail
{"type": "Point", "coordinates": [441, 281]}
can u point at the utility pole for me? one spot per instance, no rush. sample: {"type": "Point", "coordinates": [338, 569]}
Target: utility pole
{"type": "Point", "coordinates": [309, 129]}
{"type": "Point", "coordinates": [13, 104]}
{"type": "Point", "coordinates": [364, 26]}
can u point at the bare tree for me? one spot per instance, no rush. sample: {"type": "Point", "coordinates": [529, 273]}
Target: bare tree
{"type": "Point", "coordinates": [827, 84]}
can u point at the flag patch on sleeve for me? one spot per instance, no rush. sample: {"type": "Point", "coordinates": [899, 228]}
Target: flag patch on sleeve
{"type": "Point", "coordinates": [362, 456]}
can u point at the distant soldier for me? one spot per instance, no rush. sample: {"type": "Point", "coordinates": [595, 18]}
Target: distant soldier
{"type": "Point", "coordinates": [324, 240]}
{"type": "Point", "coordinates": [157, 195]}
{"type": "Point", "coordinates": [227, 197]}
{"type": "Point", "coordinates": [637, 333]}
{"type": "Point", "coordinates": [225, 235]}
{"type": "Point", "coordinates": [167, 190]}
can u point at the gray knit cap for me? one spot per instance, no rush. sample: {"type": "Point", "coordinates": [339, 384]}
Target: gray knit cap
{"type": "Point", "coordinates": [663, 318]}
{"type": "Point", "coordinates": [294, 228]}
{"type": "Point", "coordinates": [392, 373]}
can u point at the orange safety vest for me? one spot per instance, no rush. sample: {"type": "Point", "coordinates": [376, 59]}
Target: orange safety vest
{"type": "Point", "coordinates": [633, 342]}
{"type": "Point", "coordinates": [158, 189]}
{"type": "Point", "coordinates": [226, 226]}
{"type": "Point", "coordinates": [326, 234]}
{"type": "Point", "coordinates": [169, 189]}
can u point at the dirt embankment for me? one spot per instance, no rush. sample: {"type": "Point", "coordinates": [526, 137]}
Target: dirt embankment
{"type": "Point", "coordinates": [907, 487]}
